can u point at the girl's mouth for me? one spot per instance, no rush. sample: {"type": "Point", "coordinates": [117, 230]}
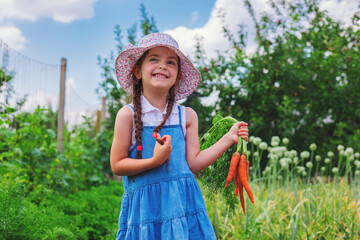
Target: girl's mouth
{"type": "Point", "coordinates": [159, 75]}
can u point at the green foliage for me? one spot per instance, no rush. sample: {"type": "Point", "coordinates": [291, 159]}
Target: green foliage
{"type": "Point", "coordinates": [90, 214]}
{"type": "Point", "coordinates": [301, 82]}
{"type": "Point", "coordinates": [29, 149]}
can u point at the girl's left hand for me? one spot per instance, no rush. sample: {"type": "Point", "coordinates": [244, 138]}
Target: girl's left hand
{"type": "Point", "coordinates": [243, 131]}
{"type": "Point", "coordinates": [238, 129]}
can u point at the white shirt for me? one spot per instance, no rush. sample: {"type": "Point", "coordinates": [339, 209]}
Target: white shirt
{"type": "Point", "coordinates": [151, 116]}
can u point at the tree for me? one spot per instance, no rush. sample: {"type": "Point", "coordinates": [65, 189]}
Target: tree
{"type": "Point", "coordinates": [302, 82]}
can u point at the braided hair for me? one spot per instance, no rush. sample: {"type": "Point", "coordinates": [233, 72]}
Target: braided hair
{"type": "Point", "coordinates": [137, 90]}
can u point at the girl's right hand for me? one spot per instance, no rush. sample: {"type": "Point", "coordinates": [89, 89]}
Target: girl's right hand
{"type": "Point", "coordinates": [162, 152]}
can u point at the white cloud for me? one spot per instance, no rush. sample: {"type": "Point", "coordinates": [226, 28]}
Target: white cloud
{"type": "Point", "coordinates": [13, 37]}
{"type": "Point", "coordinates": [237, 13]}
{"type": "Point", "coordinates": [64, 11]}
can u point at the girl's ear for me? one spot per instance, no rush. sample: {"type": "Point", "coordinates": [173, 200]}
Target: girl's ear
{"type": "Point", "coordinates": [137, 72]}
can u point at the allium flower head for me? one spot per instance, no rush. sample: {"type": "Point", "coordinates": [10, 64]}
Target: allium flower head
{"type": "Point", "coordinates": [305, 154]}
{"type": "Point", "coordinates": [275, 140]}
{"type": "Point", "coordinates": [309, 164]}
{"type": "Point", "coordinates": [263, 146]}
{"type": "Point", "coordinates": [313, 147]}
{"type": "Point", "coordinates": [257, 141]}
{"type": "Point", "coordinates": [285, 141]}
{"type": "Point", "coordinates": [349, 151]}
{"type": "Point", "coordinates": [340, 148]}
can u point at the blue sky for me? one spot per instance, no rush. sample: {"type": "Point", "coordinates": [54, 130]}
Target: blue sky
{"type": "Point", "coordinates": [81, 40]}
{"type": "Point", "coordinates": [82, 30]}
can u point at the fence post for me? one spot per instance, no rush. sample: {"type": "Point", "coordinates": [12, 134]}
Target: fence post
{"type": "Point", "coordinates": [61, 111]}
{"type": "Point", "coordinates": [103, 109]}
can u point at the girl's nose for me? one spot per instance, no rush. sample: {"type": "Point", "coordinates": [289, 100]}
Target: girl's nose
{"type": "Point", "coordinates": [162, 66]}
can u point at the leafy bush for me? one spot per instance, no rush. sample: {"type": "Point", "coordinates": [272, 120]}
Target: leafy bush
{"type": "Point", "coordinates": [90, 214]}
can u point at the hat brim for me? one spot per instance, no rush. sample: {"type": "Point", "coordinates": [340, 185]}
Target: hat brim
{"type": "Point", "coordinates": [125, 62]}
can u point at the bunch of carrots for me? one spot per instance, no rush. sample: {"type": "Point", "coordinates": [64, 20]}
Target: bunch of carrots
{"type": "Point", "coordinates": [239, 171]}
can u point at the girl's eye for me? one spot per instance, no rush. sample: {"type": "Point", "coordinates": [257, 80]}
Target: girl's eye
{"type": "Point", "coordinates": [172, 63]}
{"type": "Point", "coordinates": [152, 59]}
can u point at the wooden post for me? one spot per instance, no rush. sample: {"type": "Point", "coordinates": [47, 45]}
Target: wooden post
{"type": "Point", "coordinates": [61, 111]}
{"type": "Point", "coordinates": [98, 121]}
{"type": "Point", "coordinates": [103, 109]}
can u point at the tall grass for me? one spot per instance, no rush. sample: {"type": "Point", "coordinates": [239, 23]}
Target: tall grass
{"type": "Point", "coordinates": [297, 196]}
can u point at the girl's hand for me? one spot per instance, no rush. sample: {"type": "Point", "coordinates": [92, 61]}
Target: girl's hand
{"type": "Point", "coordinates": [239, 129]}
{"type": "Point", "coordinates": [162, 152]}
{"type": "Point", "coordinates": [243, 131]}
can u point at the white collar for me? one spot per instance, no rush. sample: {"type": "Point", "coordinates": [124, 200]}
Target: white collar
{"type": "Point", "coordinates": [147, 107]}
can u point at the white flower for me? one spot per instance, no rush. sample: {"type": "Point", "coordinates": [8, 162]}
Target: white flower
{"type": "Point", "coordinates": [330, 154]}
{"type": "Point", "coordinates": [349, 151]}
{"type": "Point", "coordinates": [257, 141]}
{"type": "Point", "coordinates": [251, 139]}
{"type": "Point", "coordinates": [256, 154]}
{"type": "Point", "coordinates": [263, 145]}
{"type": "Point", "coordinates": [335, 170]}
{"type": "Point", "coordinates": [342, 153]}
{"type": "Point", "coordinates": [275, 140]}
{"type": "Point", "coordinates": [327, 160]}
{"type": "Point", "coordinates": [357, 163]}
{"type": "Point", "coordinates": [283, 163]}
{"type": "Point", "coordinates": [313, 147]}
{"type": "Point", "coordinates": [304, 173]}
{"type": "Point", "coordinates": [304, 154]}
{"type": "Point", "coordinates": [285, 141]}
{"type": "Point", "coordinates": [309, 164]}
{"type": "Point", "coordinates": [323, 169]}
{"type": "Point", "coordinates": [317, 158]}
{"type": "Point", "coordinates": [351, 158]}
{"type": "Point", "coordinates": [340, 148]}
{"type": "Point", "coordinates": [293, 153]}
{"type": "Point", "coordinates": [357, 155]}
{"type": "Point", "coordinates": [296, 160]}
{"type": "Point", "coordinates": [357, 172]}
{"type": "Point", "coordinates": [287, 154]}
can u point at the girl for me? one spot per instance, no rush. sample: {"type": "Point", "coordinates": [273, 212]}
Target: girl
{"type": "Point", "coordinates": [161, 199]}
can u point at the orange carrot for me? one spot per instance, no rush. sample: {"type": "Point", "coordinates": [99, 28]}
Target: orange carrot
{"type": "Point", "coordinates": [241, 193]}
{"type": "Point", "coordinates": [232, 169]}
{"type": "Point", "coordinates": [243, 177]}
{"type": "Point", "coordinates": [247, 169]}
{"type": "Point", "coordinates": [236, 178]}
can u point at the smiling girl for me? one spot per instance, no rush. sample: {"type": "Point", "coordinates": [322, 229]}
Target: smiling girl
{"type": "Point", "coordinates": [161, 199]}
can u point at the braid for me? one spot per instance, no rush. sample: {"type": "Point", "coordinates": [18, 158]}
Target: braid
{"type": "Point", "coordinates": [137, 89]}
{"type": "Point", "coordinates": [171, 101]}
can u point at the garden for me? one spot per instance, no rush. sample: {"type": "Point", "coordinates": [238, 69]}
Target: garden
{"type": "Point", "coordinates": [300, 94]}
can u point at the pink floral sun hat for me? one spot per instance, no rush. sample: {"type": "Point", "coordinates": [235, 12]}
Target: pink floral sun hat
{"type": "Point", "coordinates": [125, 62]}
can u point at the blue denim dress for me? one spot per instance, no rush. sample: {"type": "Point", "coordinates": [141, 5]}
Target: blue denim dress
{"type": "Point", "coordinates": [164, 202]}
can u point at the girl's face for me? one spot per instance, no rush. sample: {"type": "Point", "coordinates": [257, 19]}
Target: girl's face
{"type": "Point", "coordinates": [159, 70]}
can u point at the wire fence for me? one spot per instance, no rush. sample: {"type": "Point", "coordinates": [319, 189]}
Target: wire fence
{"type": "Point", "coordinates": [38, 84]}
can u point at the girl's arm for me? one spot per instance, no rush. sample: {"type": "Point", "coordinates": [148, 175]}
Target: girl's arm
{"type": "Point", "coordinates": [121, 164]}
{"type": "Point", "coordinates": [199, 160]}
